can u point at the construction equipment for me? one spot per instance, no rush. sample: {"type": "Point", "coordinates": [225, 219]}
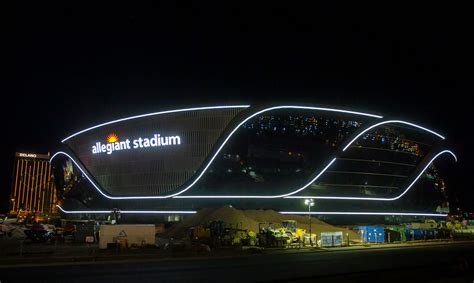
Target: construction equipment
{"type": "Point", "coordinates": [199, 233]}
{"type": "Point", "coordinates": [453, 225]}
{"type": "Point", "coordinates": [210, 233]}
{"type": "Point", "coordinates": [217, 233]}
{"type": "Point", "coordinates": [238, 237]}
{"type": "Point", "coordinates": [433, 223]}
{"type": "Point", "coordinates": [251, 239]}
{"type": "Point", "coordinates": [269, 236]}
{"type": "Point", "coordinates": [297, 235]}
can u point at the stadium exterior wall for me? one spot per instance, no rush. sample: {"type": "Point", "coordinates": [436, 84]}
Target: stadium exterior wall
{"type": "Point", "coordinates": [253, 157]}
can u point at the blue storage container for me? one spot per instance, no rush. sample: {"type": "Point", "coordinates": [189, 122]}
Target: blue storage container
{"type": "Point", "coordinates": [414, 234]}
{"type": "Point", "coordinates": [423, 234]}
{"type": "Point", "coordinates": [372, 234]}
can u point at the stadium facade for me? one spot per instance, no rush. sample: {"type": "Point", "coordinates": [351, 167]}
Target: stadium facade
{"type": "Point", "coordinates": [175, 162]}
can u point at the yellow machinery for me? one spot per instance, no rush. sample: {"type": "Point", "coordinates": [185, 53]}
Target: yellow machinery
{"type": "Point", "coordinates": [433, 223]}
{"type": "Point", "coordinates": [200, 234]}
{"type": "Point", "coordinates": [239, 237]}
{"type": "Point", "coordinates": [453, 225]}
{"type": "Point", "coordinates": [297, 235]}
{"type": "Point", "coordinates": [252, 238]}
{"type": "Point", "coordinates": [269, 236]}
{"type": "Point", "coordinates": [217, 233]}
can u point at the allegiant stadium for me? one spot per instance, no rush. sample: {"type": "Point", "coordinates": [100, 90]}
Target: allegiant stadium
{"type": "Point", "coordinates": [270, 157]}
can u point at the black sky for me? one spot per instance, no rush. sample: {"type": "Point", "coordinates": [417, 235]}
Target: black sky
{"type": "Point", "coordinates": [76, 66]}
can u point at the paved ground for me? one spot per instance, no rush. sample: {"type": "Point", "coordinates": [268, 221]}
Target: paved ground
{"type": "Point", "coordinates": [418, 263]}
{"type": "Point", "coordinates": [13, 253]}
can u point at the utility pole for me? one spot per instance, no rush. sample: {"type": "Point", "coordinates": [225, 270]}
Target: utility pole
{"type": "Point", "coordinates": [309, 203]}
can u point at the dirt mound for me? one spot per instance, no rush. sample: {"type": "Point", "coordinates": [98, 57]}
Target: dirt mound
{"type": "Point", "coordinates": [231, 216]}
{"type": "Point", "coordinates": [249, 219]}
{"type": "Point", "coordinates": [263, 215]}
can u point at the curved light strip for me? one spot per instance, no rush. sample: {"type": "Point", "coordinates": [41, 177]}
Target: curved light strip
{"type": "Point", "coordinates": [391, 121]}
{"type": "Point", "coordinates": [128, 211]}
{"type": "Point", "coordinates": [383, 199]}
{"type": "Point", "coordinates": [363, 213]}
{"type": "Point", "coordinates": [218, 107]}
{"type": "Point", "coordinates": [155, 197]}
{"type": "Point", "coordinates": [280, 196]}
{"type": "Point", "coordinates": [327, 166]}
{"type": "Point", "coordinates": [155, 113]}
{"type": "Point", "coordinates": [84, 173]}
{"type": "Point", "coordinates": [218, 150]}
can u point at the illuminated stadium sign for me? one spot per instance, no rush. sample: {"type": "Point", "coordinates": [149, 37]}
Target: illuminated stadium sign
{"type": "Point", "coordinates": [114, 144]}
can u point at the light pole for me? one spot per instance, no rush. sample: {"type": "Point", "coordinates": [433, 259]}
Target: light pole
{"type": "Point", "coordinates": [309, 202]}
{"type": "Point", "coordinates": [13, 204]}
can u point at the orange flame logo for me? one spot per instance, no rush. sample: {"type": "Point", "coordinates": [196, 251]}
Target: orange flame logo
{"type": "Point", "coordinates": [112, 137]}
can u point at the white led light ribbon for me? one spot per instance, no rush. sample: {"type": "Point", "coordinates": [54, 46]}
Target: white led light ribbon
{"type": "Point", "coordinates": [218, 150]}
{"type": "Point", "coordinates": [127, 211]}
{"type": "Point", "coordinates": [384, 199]}
{"type": "Point", "coordinates": [288, 195]}
{"type": "Point", "coordinates": [363, 213]}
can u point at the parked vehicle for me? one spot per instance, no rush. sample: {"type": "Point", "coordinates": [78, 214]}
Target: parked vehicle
{"type": "Point", "coordinates": [41, 233]}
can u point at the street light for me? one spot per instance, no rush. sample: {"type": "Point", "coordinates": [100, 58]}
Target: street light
{"type": "Point", "coordinates": [13, 204]}
{"type": "Point", "coordinates": [309, 202]}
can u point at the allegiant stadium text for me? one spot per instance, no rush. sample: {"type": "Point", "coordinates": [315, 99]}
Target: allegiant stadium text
{"type": "Point", "coordinates": [155, 141]}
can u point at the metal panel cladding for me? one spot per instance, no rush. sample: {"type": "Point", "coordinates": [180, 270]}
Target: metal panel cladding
{"type": "Point", "coordinates": [152, 155]}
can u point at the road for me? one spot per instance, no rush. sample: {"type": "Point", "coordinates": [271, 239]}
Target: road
{"type": "Point", "coordinates": [441, 263]}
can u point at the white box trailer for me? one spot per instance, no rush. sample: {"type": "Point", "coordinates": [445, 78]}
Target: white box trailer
{"type": "Point", "coordinates": [134, 234]}
{"type": "Point", "coordinates": [331, 239]}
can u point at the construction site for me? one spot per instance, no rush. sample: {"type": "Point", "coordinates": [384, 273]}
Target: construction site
{"type": "Point", "coordinates": [228, 226]}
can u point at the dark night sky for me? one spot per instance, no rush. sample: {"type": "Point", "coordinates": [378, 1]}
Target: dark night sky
{"type": "Point", "coordinates": [73, 67]}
